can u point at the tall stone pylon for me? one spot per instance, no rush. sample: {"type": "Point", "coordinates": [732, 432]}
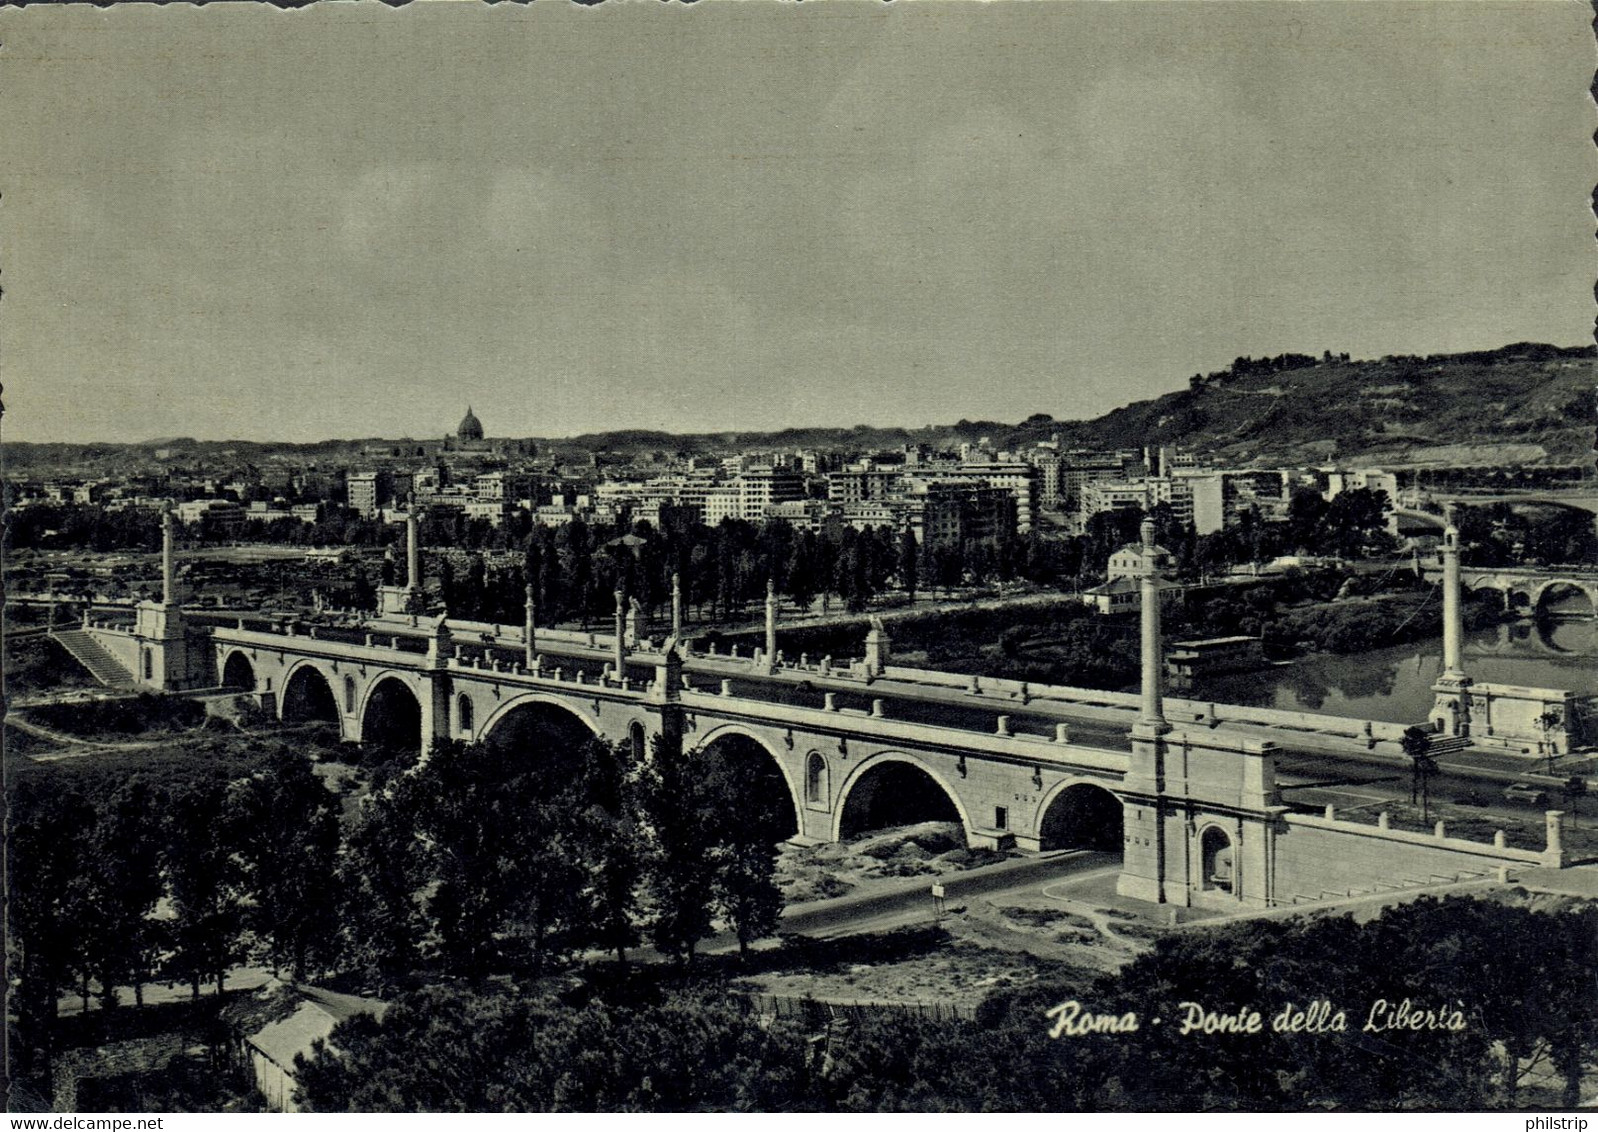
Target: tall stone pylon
{"type": "Point", "coordinates": [1151, 715]}
{"type": "Point", "coordinates": [676, 605]}
{"type": "Point", "coordinates": [771, 626]}
{"type": "Point", "coordinates": [530, 646]}
{"type": "Point", "coordinates": [1451, 711]}
{"type": "Point", "coordinates": [1146, 855]}
{"type": "Point", "coordinates": [163, 661]}
{"type": "Point", "coordinates": [619, 652]}
{"type": "Point", "coordinates": [169, 570]}
{"type": "Point", "coordinates": [395, 601]}
{"type": "Point", "coordinates": [413, 550]}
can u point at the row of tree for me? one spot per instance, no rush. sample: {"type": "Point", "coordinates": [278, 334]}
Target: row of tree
{"type": "Point", "coordinates": [525, 855]}
{"type": "Point", "coordinates": [481, 859]}
{"type": "Point", "coordinates": [1521, 981]}
{"type": "Point", "coordinates": [120, 880]}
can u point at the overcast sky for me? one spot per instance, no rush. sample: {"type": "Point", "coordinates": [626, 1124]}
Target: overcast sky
{"type": "Point", "coordinates": [234, 222]}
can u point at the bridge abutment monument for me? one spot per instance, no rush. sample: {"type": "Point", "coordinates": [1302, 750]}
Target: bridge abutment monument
{"type": "Point", "coordinates": [1450, 714]}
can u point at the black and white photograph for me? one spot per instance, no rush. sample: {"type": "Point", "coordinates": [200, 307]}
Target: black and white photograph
{"type": "Point", "coordinates": [830, 557]}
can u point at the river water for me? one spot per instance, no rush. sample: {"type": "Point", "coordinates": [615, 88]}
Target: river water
{"type": "Point", "coordinates": [1395, 684]}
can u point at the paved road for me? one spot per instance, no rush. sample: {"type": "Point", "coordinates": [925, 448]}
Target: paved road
{"type": "Point", "coordinates": [911, 902]}
{"type": "Point", "coordinates": [1304, 757]}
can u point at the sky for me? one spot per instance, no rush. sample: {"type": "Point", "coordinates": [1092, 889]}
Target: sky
{"type": "Point", "coordinates": [234, 222]}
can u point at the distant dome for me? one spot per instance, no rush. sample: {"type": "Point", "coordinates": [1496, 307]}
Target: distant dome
{"type": "Point", "coordinates": [470, 428]}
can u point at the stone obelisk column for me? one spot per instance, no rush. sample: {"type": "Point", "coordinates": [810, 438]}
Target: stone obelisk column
{"type": "Point", "coordinates": [619, 658]}
{"type": "Point", "coordinates": [527, 630]}
{"type": "Point", "coordinates": [1148, 858]}
{"type": "Point", "coordinates": [1152, 713]}
{"type": "Point", "coordinates": [1451, 712]}
{"type": "Point", "coordinates": [413, 551]}
{"type": "Point", "coordinates": [169, 573]}
{"type": "Point", "coordinates": [1453, 615]}
{"type": "Point", "coordinates": [771, 626]}
{"type": "Point", "coordinates": [676, 605]}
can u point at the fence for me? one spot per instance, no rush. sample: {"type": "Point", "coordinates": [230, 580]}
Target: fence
{"type": "Point", "coordinates": [819, 1013]}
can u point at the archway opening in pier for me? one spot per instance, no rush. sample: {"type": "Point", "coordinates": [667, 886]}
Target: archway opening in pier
{"type": "Point", "coordinates": [893, 794]}
{"type": "Point", "coordinates": [238, 673]}
{"type": "Point", "coordinates": [1563, 601]}
{"type": "Point", "coordinates": [746, 771]}
{"type": "Point", "coordinates": [392, 722]}
{"type": "Point", "coordinates": [1217, 860]}
{"type": "Point", "coordinates": [1082, 816]}
{"type": "Point", "coordinates": [308, 697]}
{"type": "Point", "coordinates": [543, 735]}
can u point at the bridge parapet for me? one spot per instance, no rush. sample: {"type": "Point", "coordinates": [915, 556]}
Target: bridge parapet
{"type": "Point", "coordinates": [880, 731]}
{"type": "Point", "coordinates": [319, 647]}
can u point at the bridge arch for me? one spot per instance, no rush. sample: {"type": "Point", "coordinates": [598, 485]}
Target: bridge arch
{"type": "Point", "coordinates": [534, 699]}
{"type": "Point", "coordinates": [391, 714]}
{"type": "Point", "coordinates": [733, 730]}
{"type": "Point", "coordinates": [238, 672]}
{"type": "Point", "coordinates": [893, 769]}
{"type": "Point", "coordinates": [1491, 591]}
{"type": "Point", "coordinates": [1557, 588]}
{"type": "Point", "coordinates": [1081, 813]}
{"type": "Point", "coordinates": [308, 695]}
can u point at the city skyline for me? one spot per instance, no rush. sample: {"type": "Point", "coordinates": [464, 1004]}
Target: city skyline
{"type": "Point", "coordinates": [322, 227]}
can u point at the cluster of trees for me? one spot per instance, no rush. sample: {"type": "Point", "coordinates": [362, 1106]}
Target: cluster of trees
{"type": "Point", "coordinates": [1500, 535]}
{"type": "Point", "coordinates": [1521, 981]}
{"type": "Point", "coordinates": [167, 872]}
{"type": "Point", "coordinates": [480, 860]}
{"type": "Point", "coordinates": [1246, 366]}
{"type": "Point", "coordinates": [84, 526]}
{"type": "Point", "coordinates": [504, 858]}
{"type": "Point", "coordinates": [576, 568]}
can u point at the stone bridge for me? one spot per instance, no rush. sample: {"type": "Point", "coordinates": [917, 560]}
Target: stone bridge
{"type": "Point", "coordinates": [1527, 590]}
{"type": "Point", "coordinates": [1189, 800]}
{"type": "Point", "coordinates": [1005, 788]}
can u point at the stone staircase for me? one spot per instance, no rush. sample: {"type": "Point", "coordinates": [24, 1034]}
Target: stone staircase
{"type": "Point", "coordinates": [1449, 746]}
{"type": "Point", "coordinates": [92, 655]}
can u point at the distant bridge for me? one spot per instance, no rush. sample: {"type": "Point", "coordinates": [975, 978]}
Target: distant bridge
{"type": "Point", "coordinates": [1529, 589]}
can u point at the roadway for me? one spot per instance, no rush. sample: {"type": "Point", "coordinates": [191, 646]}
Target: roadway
{"type": "Point", "coordinates": [910, 902]}
{"type": "Point", "coordinates": [1304, 757]}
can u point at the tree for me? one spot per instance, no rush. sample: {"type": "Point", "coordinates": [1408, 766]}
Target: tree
{"type": "Point", "coordinates": [1417, 744]}
{"type": "Point", "coordinates": [682, 874]}
{"type": "Point", "coordinates": [1574, 790]}
{"type": "Point", "coordinates": [123, 878]}
{"type": "Point", "coordinates": [742, 823]}
{"type": "Point", "coordinates": [908, 565]}
{"type": "Point", "coordinates": [205, 882]}
{"type": "Point", "coordinates": [678, 1052]}
{"type": "Point", "coordinates": [613, 845]}
{"type": "Point", "coordinates": [1547, 721]}
{"type": "Point", "coordinates": [47, 898]}
{"type": "Point", "coordinates": [503, 850]}
{"type": "Point", "coordinates": [382, 875]}
{"type": "Point", "coordinates": [288, 837]}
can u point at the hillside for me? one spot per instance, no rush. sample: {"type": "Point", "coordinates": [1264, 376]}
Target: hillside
{"type": "Point", "coordinates": [1521, 404]}
{"type": "Point", "coordinates": [1517, 405]}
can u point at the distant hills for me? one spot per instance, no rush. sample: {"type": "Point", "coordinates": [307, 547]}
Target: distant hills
{"type": "Point", "coordinates": [1526, 403]}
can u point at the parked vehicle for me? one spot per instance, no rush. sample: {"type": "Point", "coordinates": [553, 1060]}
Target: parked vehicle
{"type": "Point", "coordinates": [1526, 794]}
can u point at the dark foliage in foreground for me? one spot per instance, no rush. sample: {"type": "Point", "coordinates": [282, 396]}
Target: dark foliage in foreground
{"type": "Point", "coordinates": [1522, 982]}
